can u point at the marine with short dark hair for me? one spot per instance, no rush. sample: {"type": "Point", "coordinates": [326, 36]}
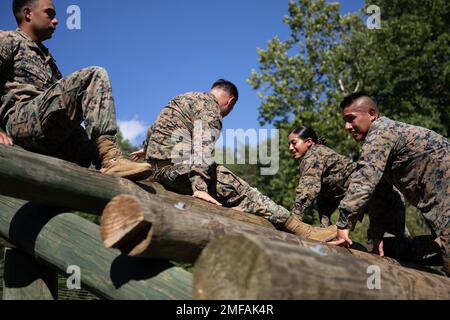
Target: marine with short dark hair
{"type": "Point", "coordinates": [42, 112]}
{"type": "Point", "coordinates": [415, 160]}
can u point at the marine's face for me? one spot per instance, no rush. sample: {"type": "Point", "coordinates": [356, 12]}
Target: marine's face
{"type": "Point", "coordinates": [357, 122]}
{"type": "Point", "coordinates": [297, 146]}
{"type": "Point", "coordinates": [42, 19]}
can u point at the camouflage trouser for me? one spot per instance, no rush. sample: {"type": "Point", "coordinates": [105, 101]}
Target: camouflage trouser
{"type": "Point", "coordinates": [427, 250]}
{"type": "Point", "coordinates": [51, 123]}
{"type": "Point", "coordinates": [227, 188]}
{"type": "Point", "coordinates": [386, 210]}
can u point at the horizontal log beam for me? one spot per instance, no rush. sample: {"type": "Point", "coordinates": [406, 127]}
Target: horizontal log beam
{"type": "Point", "coordinates": [241, 267]}
{"type": "Point", "coordinates": [62, 239]}
{"type": "Point", "coordinates": [141, 228]}
{"type": "Point", "coordinates": [54, 182]}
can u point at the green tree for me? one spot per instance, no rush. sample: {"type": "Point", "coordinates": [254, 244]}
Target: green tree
{"type": "Point", "coordinates": [404, 66]}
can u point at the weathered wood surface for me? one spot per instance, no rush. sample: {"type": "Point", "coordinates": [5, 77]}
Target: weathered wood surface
{"type": "Point", "coordinates": [139, 228]}
{"type": "Point", "coordinates": [64, 239]}
{"type": "Point", "coordinates": [249, 267]}
{"type": "Point", "coordinates": [54, 182]}
{"type": "Point", "coordinates": [192, 203]}
{"type": "Point", "coordinates": [26, 279]}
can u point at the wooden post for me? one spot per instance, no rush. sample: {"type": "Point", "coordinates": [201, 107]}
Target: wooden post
{"type": "Point", "coordinates": [64, 239]}
{"type": "Point", "coordinates": [26, 279]}
{"type": "Point", "coordinates": [248, 267]}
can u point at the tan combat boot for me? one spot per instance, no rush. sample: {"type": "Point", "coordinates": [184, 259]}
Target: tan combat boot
{"type": "Point", "coordinates": [299, 228]}
{"type": "Point", "coordinates": [113, 161]}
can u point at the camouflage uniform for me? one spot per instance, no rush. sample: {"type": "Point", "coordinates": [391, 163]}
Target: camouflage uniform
{"type": "Point", "coordinates": [415, 160]}
{"type": "Point", "coordinates": [181, 143]}
{"type": "Point", "coordinates": [324, 177]}
{"type": "Point", "coordinates": [42, 111]}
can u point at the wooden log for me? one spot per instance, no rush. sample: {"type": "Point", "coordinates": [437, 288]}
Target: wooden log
{"type": "Point", "coordinates": [63, 239]}
{"type": "Point", "coordinates": [140, 228]}
{"type": "Point", "coordinates": [241, 267]}
{"type": "Point", "coordinates": [26, 279]}
{"type": "Point", "coordinates": [190, 203]}
{"type": "Point", "coordinates": [54, 182]}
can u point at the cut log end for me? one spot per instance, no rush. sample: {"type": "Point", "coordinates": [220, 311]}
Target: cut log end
{"type": "Point", "coordinates": [123, 224]}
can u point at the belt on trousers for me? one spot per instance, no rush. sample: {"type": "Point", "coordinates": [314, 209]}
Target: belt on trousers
{"type": "Point", "coordinates": [159, 163]}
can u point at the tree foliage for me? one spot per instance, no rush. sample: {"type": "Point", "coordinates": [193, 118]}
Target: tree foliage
{"type": "Point", "coordinates": [301, 80]}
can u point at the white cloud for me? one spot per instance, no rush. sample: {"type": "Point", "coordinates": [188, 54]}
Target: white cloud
{"type": "Point", "coordinates": [132, 130]}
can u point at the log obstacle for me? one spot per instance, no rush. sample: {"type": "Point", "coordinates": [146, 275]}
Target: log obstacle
{"type": "Point", "coordinates": [60, 240]}
{"type": "Point", "coordinates": [141, 228]}
{"type": "Point", "coordinates": [142, 220]}
{"type": "Point", "coordinates": [55, 182]}
{"type": "Point", "coordinates": [240, 267]}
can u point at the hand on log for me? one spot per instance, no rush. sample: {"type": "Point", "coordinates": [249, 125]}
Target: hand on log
{"type": "Point", "coordinates": [135, 156]}
{"type": "Point", "coordinates": [378, 247]}
{"type": "Point", "coordinates": [5, 139]}
{"type": "Point", "coordinates": [206, 197]}
{"type": "Point", "coordinates": [343, 239]}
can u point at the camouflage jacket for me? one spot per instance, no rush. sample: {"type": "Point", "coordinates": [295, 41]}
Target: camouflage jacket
{"type": "Point", "coordinates": [414, 159]}
{"type": "Point", "coordinates": [323, 176]}
{"type": "Point", "coordinates": [186, 131]}
{"type": "Point", "coordinates": [26, 70]}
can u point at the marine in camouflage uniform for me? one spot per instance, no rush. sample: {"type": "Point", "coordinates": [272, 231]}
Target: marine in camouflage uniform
{"type": "Point", "coordinates": [43, 112]}
{"type": "Point", "coordinates": [180, 145]}
{"type": "Point", "coordinates": [324, 177]}
{"type": "Point", "coordinates": [413, 159]}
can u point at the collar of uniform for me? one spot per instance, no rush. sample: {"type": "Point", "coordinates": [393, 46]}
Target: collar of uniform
{"type": "Point", "coordinates": [34, 44]}
{"type": "Point", "coordinates": [25, 35]}
{"type": "Point", "coordinates": [375, 125]}
{"type": "Point", "coordinates": [309, 153]}
{"type": "Point", "coordinates": [209, 94]}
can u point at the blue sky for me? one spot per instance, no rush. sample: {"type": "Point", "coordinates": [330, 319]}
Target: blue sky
{"type": "Point", "coordinates": [155, 49]}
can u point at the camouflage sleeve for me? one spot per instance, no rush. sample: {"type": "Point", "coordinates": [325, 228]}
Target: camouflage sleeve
{"type": "Point", "coordinates": [6, 50]}
{"type": "Point", "coordinates": [371, 164]}
{"type": "Point", "coordinates": [207, 127]}
{"type": "Point", "coordinates": [309, 185]}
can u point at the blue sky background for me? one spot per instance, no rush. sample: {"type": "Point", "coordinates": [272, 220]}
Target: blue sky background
{"type": "Point", "coordinates": [155, 49]}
